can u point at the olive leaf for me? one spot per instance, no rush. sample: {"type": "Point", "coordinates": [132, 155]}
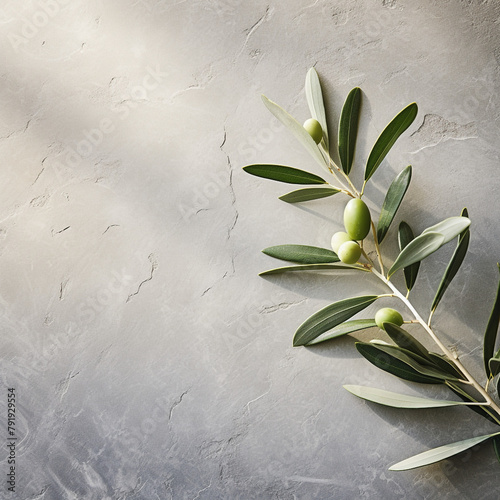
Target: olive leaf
{"type": "Point", "coordinates": [388, 137]}
{"type": "Point", "coordinates": [417, 362]}
{"type": "Point", "coordinates": [308, 194]}
{"type": "Point", "coordinates": [283, 173]}
{"type": "Point", "coordinates": [396, 362]}
{"type": "Point", "coordinates": [348, 129]}
{"type": "Point", "coordinates": [418, 249]}
{"type": "Point", "coordinates": [405, 236]}
{"type": "Point", "coordinates": [298, 131]}
{"type": "Point", "coordinates": [490, 335]}
{"type": "Point", "coordinates": [329, 317]}
{"type": "Point", "coordinates": [314, 97]}
{"type": "Point", "coordinates": [454, 264]}
{"type": "Point", "coordinates": [480, 410]}
{"type": "Point", "coordinates": [395, 400]}
{"type": "Point", "coordinates": [302, 254]}
{"type": "Point", "coordinates": [345, 328]}
{"type": "Point", "coordinates": [313, 267]}
{"type": "Point", "coordinates": [392, 201]}
{"type": "Point", "coordinates": [429, 241]}
{"type": "Point", "coordinates": [403, 339]}
{"type": "Point", "coordinates": [449, 228]}
{"type": "Point", "coordinates": [496, 446]}
{"type": "Point", "coordinates": [440, 453]}
{"type": "Point", "coordinates": [444, 364]}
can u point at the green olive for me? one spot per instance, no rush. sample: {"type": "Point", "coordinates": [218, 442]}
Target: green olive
{"type": "Point", "coordinates": [357, 219]}
{"type": "Point", "coordinates": [338, 239]}
{"type": "Point", "coordinates": [314, 128]}
{"type": "Point", "coordinates": [388, 315]}
{"type": "Point", "coordinates": [349, 252]}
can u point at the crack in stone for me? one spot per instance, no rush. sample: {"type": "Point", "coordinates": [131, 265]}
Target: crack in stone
{"type": "Point", "coordinates": [436, 129]}
{"type": "Point", "coordinates": [277, 307]}
{"type": "Point", "coordinates": [202, 490]}
{"type": "Point", "coordinates": [62, 289]}
{"type": "Point", "coordinates": [110, 226]}
{"type": "Point", "coordinates": [250, 31]}
{"type": "Point", "coordinates": [61, 230]}
{"type": "Point", "coordinates": [64, 384]}
{"type": "Point", "coordinates": [176, 404]}
{"type": "Point", "coordinates": [154, 266]}
{"type": "Point", "coordinates": [231, 187]}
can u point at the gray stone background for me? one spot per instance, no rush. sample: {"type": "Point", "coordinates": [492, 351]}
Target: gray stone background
{"type": "Point", "coordinates": [150, 360]}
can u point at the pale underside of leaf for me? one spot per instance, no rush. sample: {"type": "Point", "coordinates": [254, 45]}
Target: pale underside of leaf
{"type": "Point", "coordinates": [298, 131]}
{"type": "Point", "coordinates": [450, 228]}
{"type": "Point", "coordinates": [314, 97]}
{"type": "Point", "coordinates": [418, 249]}
{"type": "Point", "coordinates": [313, 267]}
{"type": "Point", "coordinates": [396, 400]}
{"type": "Point", "coordinates": [440, 453]}
{"type": "Point", "coordinates": [345, 328]}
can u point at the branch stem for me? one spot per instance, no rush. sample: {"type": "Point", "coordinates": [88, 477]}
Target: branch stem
{"type": "Point", "coordinates": [488, 401]}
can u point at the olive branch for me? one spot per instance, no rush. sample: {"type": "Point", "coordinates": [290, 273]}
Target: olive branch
{"type": "Point", "coordinates": [406, 358]}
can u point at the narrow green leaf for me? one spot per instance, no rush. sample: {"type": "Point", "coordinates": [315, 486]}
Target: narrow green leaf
{"type": "Point", "coordinates": [454, 265]}
{"type": "Point", "coordinates": [403, 339]}
{"type": "Point", "coordinates": [490, 335]}
{"type": "Point", "coordinates": [282, 173]}
{"type": "Point", "coordinates": [348, 327]}
{"type": "Point", "coordinates": [314, 97]}
{"type": "Point", "coordinates": [313, 267]}
{"type": "Point", "coordinates": [405, 236]}
{"type": "Point", "coordinates": [308, 194]}
{"type": "Point", "coordinates": [348, 129]}
{"type": "Point", "coordinates": [388, 137]}
{"type": "Point", "coordinates": [377, 355]}
{"type": "Point", "coordinates": [418, 249]}
{"type": "Point", "coordinates": [297, 130]}
{"type": "Point", "coordinates": [415, 361]}
{"type": "Point", "coordinates": [450, 228]}
{"type": "Point", "coordinates": [329, 317]}
{"type": "Point", "coordinates": [444, 364]}
{"type": "Point", "coordinates": [392, 201]}
{"type": "Point", "coordinates": [496, 446]}
{"type": "Point", "coordinates": [396, 400]}
{"type": "Point", "coordinates": [302, 254]}
{"type": "Point", "coordinates": [441, 453]}
{"type": "Point", "coordinates": [480, 410]}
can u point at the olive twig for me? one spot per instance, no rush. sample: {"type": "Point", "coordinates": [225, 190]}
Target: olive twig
{"type": "Point", "coordinates": [471, 380]}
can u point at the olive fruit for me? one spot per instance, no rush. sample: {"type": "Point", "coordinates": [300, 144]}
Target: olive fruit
{"type": "Point", "coordinates": [357, 219]}
{"type": "Point", "coordinates": [314, 128]}
{"type": "Point", "coordinates": [349, 252]}
{"type": "Point", "coordinates": [338, 239]}
{"type": "Point", "coordinates": [388, 315]}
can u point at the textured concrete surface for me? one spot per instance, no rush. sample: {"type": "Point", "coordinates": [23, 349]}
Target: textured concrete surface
{"type": "Point", "coordinates": [148, 358]}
